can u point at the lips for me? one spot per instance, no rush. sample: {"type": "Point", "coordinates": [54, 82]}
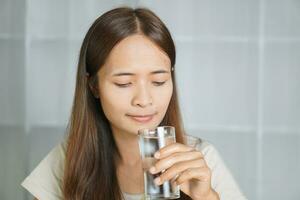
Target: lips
{"type": "Point", "coordinates": [142, 118]}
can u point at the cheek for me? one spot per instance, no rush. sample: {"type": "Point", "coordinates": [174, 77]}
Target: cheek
{"type": "Point", "coordinates": [163, 97]}
{"type": "Point", "coordinates": [113, 103]}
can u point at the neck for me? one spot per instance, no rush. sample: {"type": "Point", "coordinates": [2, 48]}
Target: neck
{"type": "Point", "coordinates": [128, 147]}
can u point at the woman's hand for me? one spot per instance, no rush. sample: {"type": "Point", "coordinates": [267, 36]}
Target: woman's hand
{"type": "Point", "coordinates": [194, 176]}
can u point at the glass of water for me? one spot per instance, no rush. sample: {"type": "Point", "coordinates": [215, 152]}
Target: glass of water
{"type": "Point", "coordinates": [150, 141]}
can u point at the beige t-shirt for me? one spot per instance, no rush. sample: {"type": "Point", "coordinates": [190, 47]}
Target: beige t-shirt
{"type": "Point", "coordinates": [45, 180]}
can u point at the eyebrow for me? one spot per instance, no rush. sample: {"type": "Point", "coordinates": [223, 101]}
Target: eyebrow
{"type": "Point", "coordinates": [132, 74]}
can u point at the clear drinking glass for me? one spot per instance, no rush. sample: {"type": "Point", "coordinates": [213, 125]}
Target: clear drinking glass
{"type": "Point", "coordinates": [150, 141]}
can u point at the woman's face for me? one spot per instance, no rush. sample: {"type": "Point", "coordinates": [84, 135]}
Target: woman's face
{"type": "Point", "coordinates": [135, 85]}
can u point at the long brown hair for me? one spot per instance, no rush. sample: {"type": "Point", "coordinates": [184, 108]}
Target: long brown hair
{"type": "Point", "coordinates": [90, 164]}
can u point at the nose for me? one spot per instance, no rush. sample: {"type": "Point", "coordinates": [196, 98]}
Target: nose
{"type": "Point", "coordinates": [142, 97]}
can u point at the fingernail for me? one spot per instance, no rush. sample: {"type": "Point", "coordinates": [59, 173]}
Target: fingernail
{"type": "Point", "coordinates": [157, 181]}
{"type": "Point", "coordinates": [156, 155]}
{"type": "Point", "coordinates": [152, 170]}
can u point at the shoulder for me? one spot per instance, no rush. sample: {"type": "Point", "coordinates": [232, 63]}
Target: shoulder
{"type": "Point", "coordinates": [45, 181]}
{"type": "Point", "coordinates": [57, 151]}
{"type": "Point", "coordinates": [211, 154]}
{"type": "Point", "coordinates": [55, 159]}
{"type": "Point", "coordinates": [223, 181]}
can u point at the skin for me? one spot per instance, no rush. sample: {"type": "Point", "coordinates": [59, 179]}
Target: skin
{"type": "Point", "coordinates": [141, 94]}
{"type": "Point", "coordinates": [147, 91]}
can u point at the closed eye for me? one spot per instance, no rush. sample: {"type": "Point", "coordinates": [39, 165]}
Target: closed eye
{"type": "Point", "coordinates": [122, 85]}
{"type": "Point", "coordinates": [156, 83]}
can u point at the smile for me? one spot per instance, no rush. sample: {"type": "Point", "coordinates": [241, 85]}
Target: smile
{"type": "Point", "coordinates": [142, 118]}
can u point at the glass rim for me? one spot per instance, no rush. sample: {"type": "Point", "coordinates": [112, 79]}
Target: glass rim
{"type": "Point", "coordinates": [148, 130]}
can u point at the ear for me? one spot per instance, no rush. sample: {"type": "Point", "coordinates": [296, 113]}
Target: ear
{"type": "Point", "coordinates": [94, 88]}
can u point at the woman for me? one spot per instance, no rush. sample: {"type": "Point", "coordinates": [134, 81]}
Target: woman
{"type": "Point", "coordinates": [126, 82]}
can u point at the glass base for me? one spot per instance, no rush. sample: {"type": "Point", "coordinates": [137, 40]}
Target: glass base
{"type": "Point", "coordinates": [155, 197]}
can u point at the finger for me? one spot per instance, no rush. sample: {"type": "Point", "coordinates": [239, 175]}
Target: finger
{"type": "Point", "coordinates": [181, 167]}
{"type": "Point", "coordinates": [172, 148]}
{"type": "Point", "coordinates": [175, 158]}
{"type": "Point", "coordinates": [202, 174]}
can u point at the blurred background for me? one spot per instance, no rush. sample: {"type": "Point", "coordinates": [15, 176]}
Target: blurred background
{"type": "Point", "coordinates": [238, 69]}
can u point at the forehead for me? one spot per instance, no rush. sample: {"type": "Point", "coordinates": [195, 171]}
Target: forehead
{"type": "Point", "coordinates": [136, 54]}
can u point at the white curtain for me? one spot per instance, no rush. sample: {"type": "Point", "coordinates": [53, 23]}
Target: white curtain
{"type": "Point", "coordinates": [238, 69]}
